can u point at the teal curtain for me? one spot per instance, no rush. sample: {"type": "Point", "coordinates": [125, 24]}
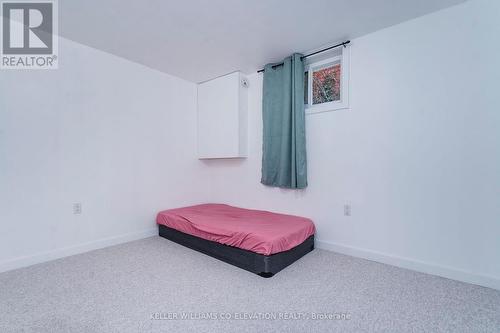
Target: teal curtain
{"type": "Point", "coordinates": [284, 143]}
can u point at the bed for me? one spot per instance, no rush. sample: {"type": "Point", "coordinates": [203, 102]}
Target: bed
{"type": "Point", "coordinates": [258, 241]}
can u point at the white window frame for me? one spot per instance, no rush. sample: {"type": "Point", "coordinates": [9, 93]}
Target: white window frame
{"type": "Point", "coordinates": [343, 103]}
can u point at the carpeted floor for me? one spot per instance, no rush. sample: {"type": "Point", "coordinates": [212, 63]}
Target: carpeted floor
{"type": "Point", "coordinates": [149, 285]}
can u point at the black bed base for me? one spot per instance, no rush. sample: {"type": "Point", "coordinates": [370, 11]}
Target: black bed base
{"type": "Point", "coordinates": [265, 266]}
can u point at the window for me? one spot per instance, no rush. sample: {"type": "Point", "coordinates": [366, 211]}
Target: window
{"type": "Point", "coordinates": [326, 83]}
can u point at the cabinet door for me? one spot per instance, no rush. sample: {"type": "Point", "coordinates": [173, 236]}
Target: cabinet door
{"type": "Point", "coordinates": [218, 117]}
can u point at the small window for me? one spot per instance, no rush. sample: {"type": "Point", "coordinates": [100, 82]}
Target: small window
{"type": "Point", "coordinates": [326, 84]}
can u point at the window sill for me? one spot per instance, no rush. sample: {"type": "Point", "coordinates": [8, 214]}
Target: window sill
{"type": "Point", "coordinates": [327, 107]}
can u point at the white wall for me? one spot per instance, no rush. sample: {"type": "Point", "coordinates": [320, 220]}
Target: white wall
{"type": "Point", "coordinates": [116, 136]}
{"type": "Point", "coordinates": [417, 155]}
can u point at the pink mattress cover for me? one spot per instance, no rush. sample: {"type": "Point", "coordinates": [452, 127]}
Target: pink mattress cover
{"type": "Point", "coordinates": [254, 230]}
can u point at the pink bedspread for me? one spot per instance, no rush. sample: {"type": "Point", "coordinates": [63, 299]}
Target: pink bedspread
{"type": "Point", "coordinates": [254, 230]}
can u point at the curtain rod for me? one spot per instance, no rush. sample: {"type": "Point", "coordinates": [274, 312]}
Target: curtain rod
{"type": "Point", "coordinates": [314, 53]}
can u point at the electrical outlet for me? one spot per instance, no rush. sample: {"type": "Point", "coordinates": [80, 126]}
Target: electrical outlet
{"type": "Point", "coordinates": [77, 208]}
{"type": "Point", "coordinates": [347, 210]}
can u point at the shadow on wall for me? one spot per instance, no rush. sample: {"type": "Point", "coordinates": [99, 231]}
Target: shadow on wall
{"type": "Point", "coordinates": [224, 162]}
{"type": "Point", "coordinates": [231, 167]}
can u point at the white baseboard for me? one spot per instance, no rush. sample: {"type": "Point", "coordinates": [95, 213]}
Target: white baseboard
{"type": "Point", "coordinates": [72, 250]}
{"type": "Point", "coordinates": [420, 266]}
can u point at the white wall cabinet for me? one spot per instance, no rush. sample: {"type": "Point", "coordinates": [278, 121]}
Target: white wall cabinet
{"type": "Point", "coordinates": [222, 117]}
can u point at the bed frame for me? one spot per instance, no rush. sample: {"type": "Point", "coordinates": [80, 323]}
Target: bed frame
{"type": "Point", "coordinates": [262, 265]}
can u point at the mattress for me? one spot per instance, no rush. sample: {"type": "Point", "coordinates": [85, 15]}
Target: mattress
{"type": "Point", "coordinates": [258, 231]}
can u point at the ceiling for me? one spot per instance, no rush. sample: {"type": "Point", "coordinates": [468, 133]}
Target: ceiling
{"type": "Point", "coordinates": [201, 39]}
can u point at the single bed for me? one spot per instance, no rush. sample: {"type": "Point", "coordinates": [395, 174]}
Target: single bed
{"type": "Point", "coordinates": [261, 242]}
